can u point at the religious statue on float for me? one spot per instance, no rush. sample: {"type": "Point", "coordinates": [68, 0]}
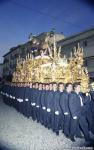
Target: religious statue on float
{"type": "Point", "coordinates": [51, 66]}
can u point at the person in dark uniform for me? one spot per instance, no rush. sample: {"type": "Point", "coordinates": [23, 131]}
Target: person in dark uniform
{"type": "Point", "coordinates": [16, 95]}
{"type": "Point", "coordinates": [20, 97]}
{"type": "Point", "coordinates": [23, 91]}
{"type": "Point", "coordinates": [6, 92]}
{"type": "Point", "coordinates": [11, 90]}
{"type": "Point", "coordinates": [64, 103]}
{"type": "Point", "coordinates": [6, 95]}
{"type": "Point", "coordinates": [13, 94]}
{"type": "Point", "coordinates": [49, 105]}
{"type": "Point", "coordinates": [88, 109]}
{"type": "Point", "coordinates": [3, 92]}
{"type": "Point", "coordinates": [76, 104]}
{"type": "Point", "coordinates": [61, 88]}
{"type": "Point", "coordinates": [30, 98]}
{"type": "Point", "coordinates": [38, 102]}
{"type": "Point", "coordinates": [43, 105]}
{"type": "Point", "coordinates": [8, 89]}
{"type": "Point", "coordinates": [26, 100]}
{"type": "Point", "coordinates": [57, 109]}
{"type": "Point", "coordinates": [92, 109]}
{"type": "Point", "coordinates": [33, 102]}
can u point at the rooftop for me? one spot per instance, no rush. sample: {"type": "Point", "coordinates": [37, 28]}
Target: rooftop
{"type": "Point", "coordinates": [78, 36]}
{"type": "Point", "coordinates": [39, 37]}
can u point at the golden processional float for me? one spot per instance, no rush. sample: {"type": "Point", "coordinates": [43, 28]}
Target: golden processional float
{"type": "Point", "coordinates": [50, 66]}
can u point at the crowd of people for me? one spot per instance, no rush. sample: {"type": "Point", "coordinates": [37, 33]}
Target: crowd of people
{"type": "Point", "coordinates": [55, 106]}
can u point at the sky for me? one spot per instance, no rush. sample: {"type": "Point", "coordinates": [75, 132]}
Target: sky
{"type": "Point", "coordinates": [19, 18]}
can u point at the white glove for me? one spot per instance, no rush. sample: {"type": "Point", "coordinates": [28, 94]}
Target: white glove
{"type": "Point", "coordinates": [66, 113]}
{"type": "Point", "coordinates": [10, 96]}
{"type": "Point", "coordinates": [6, 94]}
{"type": "Point", "coordinates": [43, 108]}
{"type": "Point", "coordinates": [75, 117]}
{"type": "Point", "coordinates": [37, 106]}
{"type": "Point", "coordinates": [33, 104]}
{"type": "Point", "coordinates": [20, 100]}
{"type": "Point", "coordinates": [13, 97]}
{"type": "Point", "coordinates": [48, 109]}
{"type": "Point", "coordinates": [56, 112]}
{"type": "Point", "coordinates": [26, 99]}
{"type": "Point", "coordinates": [87, 94]}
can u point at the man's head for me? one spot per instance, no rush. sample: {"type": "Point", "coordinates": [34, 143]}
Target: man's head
{"type": "Point", "coordinates": [47, 86]}
{"type": "Point", "coordinates": [69, 87]}
{"type": "Point", "coordinates": [61, 86]}
{"type": "Point", "coordinates": [27, 84]}
{"type": "Point", "coordinates": [51, 86]}
{"type": "Point", "coordinates": [30, 84]}
{"type": "Point", "coordinates": [33, 85]}
{"type": "Point", "coordinates": [21, 84]}
{"type": "Point", "coordinates": [36, 85]}
{"type": "Point", "coordinates": [40, 86]}
{"type": "Point", "coordinates": [54, 86]}
{"type": "Point", "coordinates": [77, 87]}
{"type": "Point", "coordinates": [43, 86]}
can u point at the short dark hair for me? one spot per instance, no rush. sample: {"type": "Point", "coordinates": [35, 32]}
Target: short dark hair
{"type": "Point", "coordinates": [51, 83]}
{"type": "Point", "coordinates": [47, 84]}
{"type": "Point", "coordinates": [54, 83]}
{"type": "Point", "coordinates": [33, 83]}
{"type": "Point", "coordinates": [60, 83]}
{"type": "Point", "coordinates": [67, 84]}
{"type": "Point", "coordinates": [40, 83]}
{"type": "Point", "coordinates": [76, 84]}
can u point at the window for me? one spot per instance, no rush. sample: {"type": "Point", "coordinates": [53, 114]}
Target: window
{"type": "Point", "coordinates": [85, 43]}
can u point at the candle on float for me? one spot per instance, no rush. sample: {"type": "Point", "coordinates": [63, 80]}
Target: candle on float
{"type": "Point", "coordinates": [26, 57]}
{"type": "Point", "coordinates": [71, 54]}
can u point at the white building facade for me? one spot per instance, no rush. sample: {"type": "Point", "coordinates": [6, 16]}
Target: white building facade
{"type": "Point", "coordinates": [85, 40]}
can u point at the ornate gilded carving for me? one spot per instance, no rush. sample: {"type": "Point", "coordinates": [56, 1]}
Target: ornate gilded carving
{"type": "Point", "coordinates": [51, 66]}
